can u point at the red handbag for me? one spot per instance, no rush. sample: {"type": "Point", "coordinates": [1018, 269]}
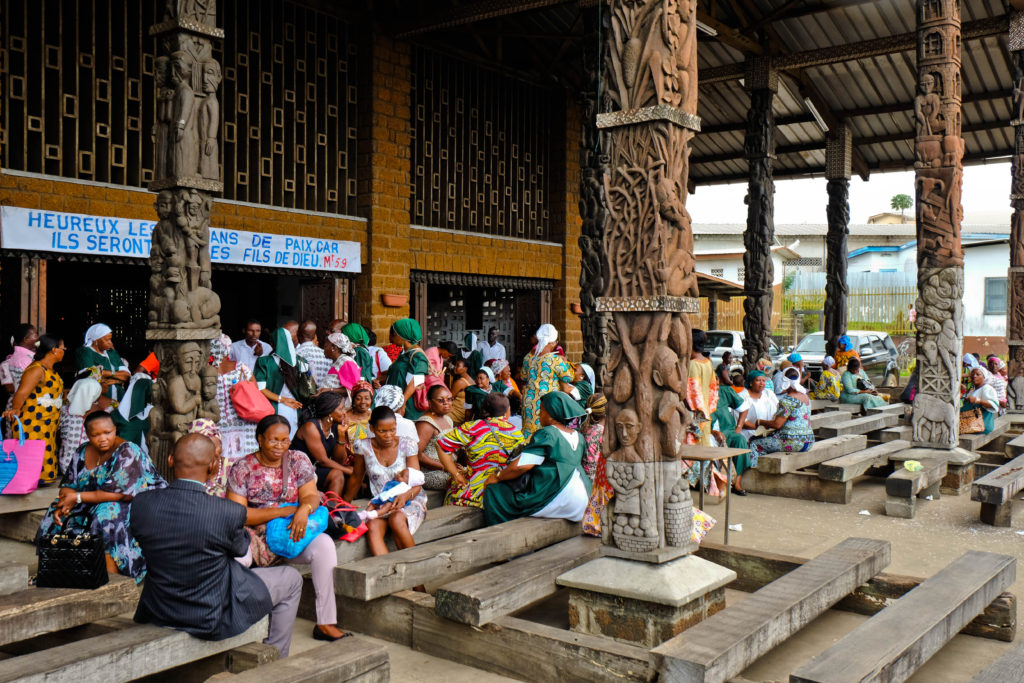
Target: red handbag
{"type": "Point", "coordinates": [344, 523]}
{"type": "Point", "coordinates": [249, 402]}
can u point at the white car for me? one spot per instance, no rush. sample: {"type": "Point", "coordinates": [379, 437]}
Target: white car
{"type": "Point", "coordinates": [720, 341]}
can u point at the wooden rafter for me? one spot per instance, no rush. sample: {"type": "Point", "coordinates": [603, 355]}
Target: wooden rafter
{"type": "Point", "coordinates": [473, 12]}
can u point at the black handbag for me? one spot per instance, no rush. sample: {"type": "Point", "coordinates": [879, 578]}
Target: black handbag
{"type": "Point", "coordinates": [305, 385]}
{"type": "Point", "coordinates": [71, 556]}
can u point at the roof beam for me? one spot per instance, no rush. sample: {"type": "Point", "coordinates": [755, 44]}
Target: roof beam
{"type": "Point", "coordinates": [741, 126]}
{"type": "Point", "coordinates": [474, 12]}
{"type": "Point", "coordinates": [849, 52]}
{"type": "Point", "coordinates": [738, 154]}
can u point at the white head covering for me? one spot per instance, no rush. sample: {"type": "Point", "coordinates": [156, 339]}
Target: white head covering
{"type": "Point", "coordinates": [389, 395]}
{"type": "Point", "coordinates": [790, 382]}
{"type": "Point", "coordinates": [546, 334]}
{"type": "Point", "coordinates": [828, 362]}
{"type": "Point", "coordinates": [416, 477]}
{"type": "Point", "coordinates": [486, 370]}
{"type": "Point", "coordinates": [82, 395]}
{"type": "Point", "coordinates": [97, 331]}
{"type": "Point", "coordinates": [589, 372]}
{"type": "Point", "coordinates": [970, 361]}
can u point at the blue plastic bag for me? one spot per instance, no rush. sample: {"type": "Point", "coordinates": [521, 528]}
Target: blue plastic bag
{"type": "Point", "coordinates": [279, 536]}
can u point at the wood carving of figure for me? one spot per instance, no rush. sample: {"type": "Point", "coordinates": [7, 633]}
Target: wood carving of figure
{"type": "Point", "coordinates": [167, 260]}
{"type": "Point", "coordinates": [199, 11]}
{"type": "Point", "coordinates": [678, 274]}
{"type": "Point", "coordinates": [1017, 233]}
{"type": "Point", "coordinates": [627, 429]}
{"type": "Point", "coordinates": [184, 389]}
{"type": "Point", "coordinates": [209, 121]}
{"type": "Point", "coordinates": [157, 416]}
{"type": "Point", "coordinates": [210, 409]}
{"type": "Point", "coordinates": [193, 214]}
{"type": "Point", "coordinates": [672, 412]}
{"type": "Point", "coordinates": [928, 109]}
{"type": "Point", "coordinates": [185, 150]}
{"type": "Point", "coordinates": [164, 115]}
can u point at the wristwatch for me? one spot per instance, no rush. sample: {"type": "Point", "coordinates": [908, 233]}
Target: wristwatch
{"type": "Point", "coordinates": [78, 497]}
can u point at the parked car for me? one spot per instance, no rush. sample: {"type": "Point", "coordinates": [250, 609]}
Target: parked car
{"type": "Point", "coordinates": [877, 351]}
{"type": "Point", "coordinates": [720, 341]}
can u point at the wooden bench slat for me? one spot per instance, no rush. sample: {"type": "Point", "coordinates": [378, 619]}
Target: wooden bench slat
{"type": "Point", "coordinates": [851, 466]}
{"type": "Point", "coordinates": [1002, 485]}
{"type": "Point", "coordinates": [974, 442]}
{"type": "Point", "coordinates": [121, 655]}
{"type": "Point", "coordinates": [728, 642]}
{"type": "Point", "coordinates": [821, 405]}
{"type": "Point", "coordinates": [482, 597]}
{"type": "Point", "coordinates": [861, 425]}
{"type": "Point", "coordinates": [34, 611]}
{"type": "Point", "coordinates": [826, 449]}
{"type": "Point", "coordinates": [441, 522]}
{"type": "Point", "coordinates": [352, 658]}
{"type": "Point", "coordinates": [897, 409]}
{"type": "Point", "coordinates": [894, 643]}
{"type": "Point", "coordinates": [39, 499]}
{"type": "Point", "coordinates": [897, 433]}
{"type": "Point", "coordinates": [375, 577]}
{"type": "Point", "coordinates": [1015, 446]}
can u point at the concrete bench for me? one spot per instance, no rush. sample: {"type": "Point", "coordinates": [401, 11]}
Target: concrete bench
{"type": "Point", "coordinates": [350, 659]}
{"type": "Point", "coordinates": [849, 467]}
{"type": "Point", "coordinates": [860, 425]}
{"type": "Point", "coordinates": [778, 474]}
{"type": "Point", "coordinates": [820, 451]}
{"type": "Point", "coordinates": [975, 442]}
{"type": "Point", "coordinates": [723, 645]}
{"type": "Point", "coordinates": [903, 486]}
{"type": "Point", "coordinates": [995, 492]}
{"type": "Point", "coordinates": [122, 655]}
{"type": "Point", "coordinates": [13, 577]}
{"type": "Point", "coordinates": [893, 644]}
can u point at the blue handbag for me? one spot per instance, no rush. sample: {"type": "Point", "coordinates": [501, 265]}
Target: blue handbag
{"type": "Point", "coordinates": [279, 536]}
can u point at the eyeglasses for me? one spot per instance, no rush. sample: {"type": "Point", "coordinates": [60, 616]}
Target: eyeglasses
{"type": "Point", "coordinates": [443, 400]}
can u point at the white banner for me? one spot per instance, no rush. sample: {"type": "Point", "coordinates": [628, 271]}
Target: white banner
{"type": "Point", "coordinates": [58, 232]}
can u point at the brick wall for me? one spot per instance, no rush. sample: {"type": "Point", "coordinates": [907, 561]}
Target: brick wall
{"type": "Point", "coordinates": [568, 290]}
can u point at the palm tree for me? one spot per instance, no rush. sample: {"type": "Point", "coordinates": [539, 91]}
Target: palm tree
{"type": "Point", "coordinates": [901, 203]}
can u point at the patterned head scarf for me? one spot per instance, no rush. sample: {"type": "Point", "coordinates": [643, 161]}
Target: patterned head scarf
{"type": "Point", "coordinates": [391, 396]}
{"type": "Point", "coordinates": [205, 427]}
{"type": "Point", "coordinates": [97, 331]}
{"type": "Point", "coordinates": [498, 366]}
{"type": "Point", "coordinates": [362, 386]}
{"type": "Point", "coordinates": [219, 348]}
{"type": "Point", "coordinates": [344, 344]}
{"type": "Point", "coordinates": [408, 329]}
{"type": "Point", "coordinates": [828, 362]}
{"type": "Point", "coordinates": [764, 365]}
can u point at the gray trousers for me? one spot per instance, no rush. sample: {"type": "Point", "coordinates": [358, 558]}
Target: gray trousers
{"type": "Point", "coordinates": [285, 586]}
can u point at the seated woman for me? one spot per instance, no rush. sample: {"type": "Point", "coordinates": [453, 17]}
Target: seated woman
{"type": "Point", "coordinates": [276, 482]}
{"type": "Point", "coordinates": [846, 351]}
{"type": "Point", "coordinates": [791, 422]}
{"type": "Point", "coordinates": [487, 442]}
{"type": "Point", "coordinates": [429, 428]}
{"type": "Point", "coordinates": [461, 382]}
{"type": "Point", "coordinates": [984, 397]}
{"type": "Point", "coordinates": [217, 485]}
{"type": "Point", "coordinates": [763, 404]}
{"type": "Point", "coordinates": [359, 413]}
{"type": "Point", "coordinates": [853, 379]}
{"type": "Point", "coordinates": [829, 385]}
{"type": "Point", "coordinates": [317, 437]}
{"type": "Point", "coordinates": [381, 457]}
{"type": "Point", "coordinates": [727, 424]}
{"type": "Point", "coordinates": [475, 395]}
{"type": "Point", "coordinates": [100, 482]}
{"type": "Point", "coordinates": [556, 486]}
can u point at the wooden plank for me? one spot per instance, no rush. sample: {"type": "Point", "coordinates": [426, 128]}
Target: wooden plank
{"type": "Point", "coordinates": [799, 485]}
{"type": "Point", "coordinates": [1001, 485]}
{"type": "Point", "coordinates": [861, 425]}
{"type": "Point", "coordinates": [441, 522]}
{"type": "Point", "coordinates": [21, 526]}
{"type": "Point", "coordinates": [34, 611]}
{"type": "Point", "coordinates": [122, 655]}
{"type": "Point", "coordinates": [1015, 446]}
{"type": "Point", "coordinates": [757, 568]}
{"type": "Point", "coordinates": [820, 406]}
{"type": "Point", "coordinates": [345, 660]}
{"type": "Point", "coordinates": [480, 598]}
{"type": "Point", "coordinates": [904, 483]}
{"type": "Point", "coordinates": [897, 433]}
{"type": "Point", "coordinates": [851, 466]}
{"type": "Point", "coordinates": [820, 451]}
{"type": "Point", "coordinates": [39, 499]}
{"type": "Point", "coordinates": [893, 644]}
{"type": "Point", "coordinates": [728, 642]}
{"type": "Point", "coordinates": [897, 409]}
{"type": "Point", "coordinates": [13, 577]}
{"type": "Point", "coordinates": [974, 442]}
{"type": "Point", "coordinates": [1007, 669]}
{"type": "Point", "coordinates": [374, 577]}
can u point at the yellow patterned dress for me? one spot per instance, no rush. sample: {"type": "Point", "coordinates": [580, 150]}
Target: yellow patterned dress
{"type": "Point", "coordinates": [40, 416]}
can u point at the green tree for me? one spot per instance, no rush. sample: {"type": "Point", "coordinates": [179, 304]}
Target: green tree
{"type": "Point", "coordinates": [901, 203]}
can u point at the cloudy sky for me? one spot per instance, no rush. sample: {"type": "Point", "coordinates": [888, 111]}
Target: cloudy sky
{"type": "Point", "coordinates": [985, 198]}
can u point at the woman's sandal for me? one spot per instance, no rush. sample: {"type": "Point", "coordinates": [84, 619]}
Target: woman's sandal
{"type": "Point", "coordinates": [320, 635]}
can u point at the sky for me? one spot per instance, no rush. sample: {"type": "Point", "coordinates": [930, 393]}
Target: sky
{"type": "Point", "coordinates": [986, 197]}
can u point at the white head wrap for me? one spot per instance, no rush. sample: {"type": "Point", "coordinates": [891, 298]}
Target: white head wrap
{"type": "Point", "coordinates": [828, 362]}
{"type": "Point", "coordinates": [546, 334]}
{"type": "Point", "coordinates": [488, 372]}
{"type": "Point", "coordinates": [589, 372]}
{"type": "Point", "coordinates": [97, 331]}
{"type": "Point", "coordinates": [789, 381]}
{"type": "Point", "coordinates": [82, 395]}
{"type": "Point", "coordinates": [416, 477]}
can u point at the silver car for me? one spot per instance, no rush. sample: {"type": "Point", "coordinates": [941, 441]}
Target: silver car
{"type": "Point", "coordinates": [720, 341]}
{"type": "Point", "coordinates": [877, 352]}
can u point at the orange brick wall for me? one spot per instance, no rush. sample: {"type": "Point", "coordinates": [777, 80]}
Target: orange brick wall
{"type": "Point", "coordinates": [568, 290]}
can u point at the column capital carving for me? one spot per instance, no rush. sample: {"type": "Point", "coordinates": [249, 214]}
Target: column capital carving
{"type": "Point", "coordinates": [1015, 40]}
{"type": "Point", "coordinates": [839, 153]}
{"type": "Point", "coordinates": [760, 74]}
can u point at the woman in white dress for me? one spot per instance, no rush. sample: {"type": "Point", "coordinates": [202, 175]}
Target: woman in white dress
{"type": "Point", "coordinates": [762, 405]}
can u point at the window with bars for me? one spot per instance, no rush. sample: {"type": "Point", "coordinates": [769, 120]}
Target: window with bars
{"type": "Point", "coordinates": [718, 272]}
{"type": "Point", "coordinates": [741, 273]}
{"type": "Point", "coordinates": [78, 97]}
{"type": "Point", "coordinates": [995, 296]}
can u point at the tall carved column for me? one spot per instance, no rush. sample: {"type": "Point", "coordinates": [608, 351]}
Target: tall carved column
{"type": "Point", "coordinates": [762, 83]}
{"type": "Point", "coordinates": [593, 162]}
{"type": "Point", "coordinates": [838, 169]}
{"type": "Point", "coordinates": [1015, 282]}
{"type": "Point", "coordinates": [184, 311]}
{"type": "Point", "coordinates": [940, 273]}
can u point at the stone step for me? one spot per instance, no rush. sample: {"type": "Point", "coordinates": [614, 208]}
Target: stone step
{"type": "Point", "coordinates": [897, 409]}
{"type": "Point", "coordinates": [820, 451]}
{"type": "Point", "coordinates": [13, 577]}
{"type": "Point", "coordinates": [860, 425]}
{"type": "Point", "coordinates": [821, 406]}
{"type": "Point", "coordinates": [893, 644]}
{"type": "Point", "coordinates": [849, 467]}
{"type": "Point", "coordinates": [726, 643]}
{"type": "Point", "coordinates": [1015, 446]}
{"type": "Point", "coordinates": [39, 499]}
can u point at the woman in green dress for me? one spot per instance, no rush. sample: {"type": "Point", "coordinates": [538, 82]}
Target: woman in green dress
{"type": "Point", "coordinates": [727, 423]}
{"type": "Point", "coordinates": [584, 380]}
{"type": "Point", "coordinates": [852, 393]}
{"type": "Point", "coordinates": [409, 371]}
{"type": "Point", "coordinates": [556, 486]}
{"type": "Point", "coordinates": [277, 377]}
{"type": "Point", "coordinates": [360, 339]}
{"type": "Point", "coordinates": [98, 352]}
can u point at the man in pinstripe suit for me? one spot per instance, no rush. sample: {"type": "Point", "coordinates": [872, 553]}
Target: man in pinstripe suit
{"type": "Point", "coordinates": [190, 541]}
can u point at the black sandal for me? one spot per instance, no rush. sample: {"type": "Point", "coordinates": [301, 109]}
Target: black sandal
{"type": "Point", "coordinates": [738, 492]}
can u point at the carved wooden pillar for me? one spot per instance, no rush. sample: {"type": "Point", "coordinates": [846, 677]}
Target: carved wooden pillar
{"type": "Point", "coordinates": [712, 312]}
{"type": "Point", "coordinates": [761, 82]}
{"type": "Point", "coordinates": [650, 75]}
{"type": "Point", "coordinates": [184, 311]}
{"type": "Point", "coordinates": [1015, 280]}
{"type": "Point", "coordinates": [838, 169]}
{"type": "Point", "coordinates": [593, 160]}
{"type": "Point", "coordinates": [940, 273]}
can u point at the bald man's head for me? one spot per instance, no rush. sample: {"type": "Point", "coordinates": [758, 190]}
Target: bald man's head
{"type": "Point", "coordinates": [293, 329]}
{"type": "Point", "coordinates": [194, 457]}
{"type": "Point", "coordinates": [307, 332]}
{"type": "Point", "coordinates": [336, 325]}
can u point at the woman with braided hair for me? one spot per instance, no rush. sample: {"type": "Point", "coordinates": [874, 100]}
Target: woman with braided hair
{"type": "Point", "coordinates": [321, 422]}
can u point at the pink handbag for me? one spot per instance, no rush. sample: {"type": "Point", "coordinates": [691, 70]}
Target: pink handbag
{"type": "Point", "coordinates": [21, 463]}
{"type": "Point", "coordinates": [250, 403]}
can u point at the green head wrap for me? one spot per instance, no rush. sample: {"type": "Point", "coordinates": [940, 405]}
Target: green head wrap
{"type": "Point", "coordinates": [284, 348]}
{"type": "Point", "coordinates": [561, 406]}
{"type": "Point", "coordinates": [357, 333]}
{"type": "Point", "coordinates": [752, 375]}
{"type": "Point", "coordinates": [408, 329]}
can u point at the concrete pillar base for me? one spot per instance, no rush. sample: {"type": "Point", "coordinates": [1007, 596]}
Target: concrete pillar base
{"type": "Point", "coordinates": [641, 603]}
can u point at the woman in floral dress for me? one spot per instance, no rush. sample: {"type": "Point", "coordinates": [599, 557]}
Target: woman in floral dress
{"type": "Point", "coordinates": [546, 371]}
{"type": "Point", "coordinates": [106, 473]}
{"type": "Point", "coordinates": [792, 421]}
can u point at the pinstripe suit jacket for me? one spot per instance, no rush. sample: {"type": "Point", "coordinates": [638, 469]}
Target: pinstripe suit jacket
{"type": "Point", "coordinates": [189, 540]}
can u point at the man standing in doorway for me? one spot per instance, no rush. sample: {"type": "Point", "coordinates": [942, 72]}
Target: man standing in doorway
{"type": "Point", "coordinates": [250, 348]}
{"type": "Point", "coordinates": [492, 348]}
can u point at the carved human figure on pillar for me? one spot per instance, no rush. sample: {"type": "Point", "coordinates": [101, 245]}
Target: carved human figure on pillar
{"type": "Point", "coordinates": [199, 11]}
{"type": "Point", "coordinates": [164, 115]}
{"type": "Point", "coordinates": [185, 150]}
{"type": "Point", "coordinates": [184, 388]}
{"type": "Point", "coordinates": [167, 261]}
{"type": "Point", "coordinates": [209, 122]}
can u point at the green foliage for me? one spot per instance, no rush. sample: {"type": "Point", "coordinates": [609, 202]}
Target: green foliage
{"type": "Point", "coordinates": [901, 202]}
{"type": "Point", "coordinates": [788, 280]}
